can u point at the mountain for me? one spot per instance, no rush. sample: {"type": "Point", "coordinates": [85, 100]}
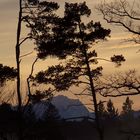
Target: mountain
{"type": "Point", "coordinates": [69, 108]}
{"type": "Point", "coordinates": [60, 107]}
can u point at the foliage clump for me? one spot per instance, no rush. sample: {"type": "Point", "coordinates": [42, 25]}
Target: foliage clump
{"type": "Point", "coordinates": [7, 73]}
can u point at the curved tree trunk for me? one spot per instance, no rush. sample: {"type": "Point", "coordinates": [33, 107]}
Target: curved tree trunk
{"type": "Point", "coordinates": [93, 92]}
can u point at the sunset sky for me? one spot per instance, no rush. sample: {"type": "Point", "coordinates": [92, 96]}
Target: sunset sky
{"type": "Point", "coordinates": [114, 45]}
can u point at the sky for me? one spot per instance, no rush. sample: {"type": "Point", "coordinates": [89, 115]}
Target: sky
{"type": "Point", "coordinates": [114, 45]}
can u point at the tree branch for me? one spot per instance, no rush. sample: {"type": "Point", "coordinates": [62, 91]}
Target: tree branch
{"type": "Point", "coordinates": [26, 54]}
{"type": "Point", "coordinates": [24, 40]}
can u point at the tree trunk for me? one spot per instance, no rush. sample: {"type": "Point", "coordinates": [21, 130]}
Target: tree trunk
{"type": "Point", "coordinates": [97, 120]}
{"type": "Point", "coordinates": [17, 49]}
{"type": "Point", "coordinates": [18, 55]}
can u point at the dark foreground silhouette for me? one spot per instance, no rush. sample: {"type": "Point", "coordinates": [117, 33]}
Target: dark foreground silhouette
{"type": "Point", "coordinates": [52, 127]}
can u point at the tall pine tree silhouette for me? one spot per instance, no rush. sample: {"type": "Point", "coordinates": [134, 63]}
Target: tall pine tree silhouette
{"type": "Point", "coordinates": [111, 112]}
{"type": "Point", "coordinates": [127, 111]}
{"type": "Point", "coordinates": [68, 36]}
{"type": "Point", "coordinates": [74, 37]}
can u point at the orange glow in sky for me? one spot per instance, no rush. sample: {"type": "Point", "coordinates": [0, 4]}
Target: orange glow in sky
{"type": "Point", "coordinates": [114, 45]}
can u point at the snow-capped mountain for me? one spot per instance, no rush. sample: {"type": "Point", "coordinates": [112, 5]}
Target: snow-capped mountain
{"type": "Point", "coordinates": [69, 108]}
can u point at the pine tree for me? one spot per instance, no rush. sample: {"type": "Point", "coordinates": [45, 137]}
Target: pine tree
{"type": "Point", "coordinates": [111, 112]}
{"type": "Point", "coordinates": [7, 73]}
{"type": "Point", "coordinates": [127, 111]}
{"type": "Point", "coordinates": [127, 106]}
{"type": "Point", "coordinates": [52, 113]}
{"type": "Point", "coordinates": [101, 110]}
{"type": "Point", "coordinates": [68, 35]}
{"type": "Point", "coordinates": [75, 38]}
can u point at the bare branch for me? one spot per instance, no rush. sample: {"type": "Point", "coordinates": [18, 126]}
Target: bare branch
{"type": "Point", "coordinates": [75, 105]}
{"type": "Point", "coordinates": [122, 13]}
{"type": "Point", "coordinates": [119, 95]}
{"type": "Point", "coordinates": [28, 81]}
{"type": "Point", "coordinates": [24, 40]}
{"type": "Point", "coordinates": [26, 54]}
{"type": "Point", "coordinates": [122, 84]}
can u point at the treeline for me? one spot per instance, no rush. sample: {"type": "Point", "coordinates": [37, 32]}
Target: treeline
{"type": "Point", "coordinates": [34, 125]}
{"type": "Point", "coordinates": [33, 111]}
{"type": "Point", "coordinates": [51, 125]}
{"type": "Point", "coordinates": [111, 113]}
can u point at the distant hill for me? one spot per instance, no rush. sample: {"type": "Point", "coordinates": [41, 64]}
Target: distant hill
{"type": "Point", "coordinates": [69, 108]}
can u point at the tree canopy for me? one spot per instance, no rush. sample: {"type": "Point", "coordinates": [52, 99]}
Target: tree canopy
{"type": "Point", "coordinates": [7, 73]}
{"type": "Point", "coordinates": [111, 112]}
{"type": "Point", "coordinates": [71, 36]}
{"type": "Point", "coordinates": [127, 106]}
